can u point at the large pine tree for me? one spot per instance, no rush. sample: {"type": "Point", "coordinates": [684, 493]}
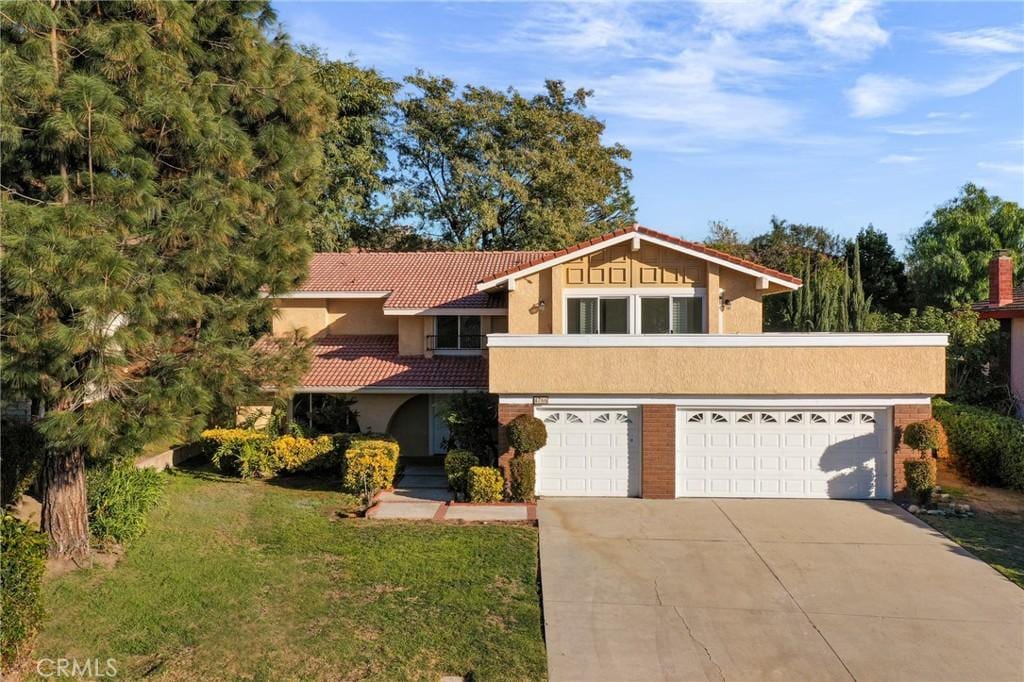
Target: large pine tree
{"type": "Point", "coordinates": [158, 160]}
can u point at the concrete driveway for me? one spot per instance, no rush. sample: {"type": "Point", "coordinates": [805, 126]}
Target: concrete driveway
{"type": "Point", "coordinates": [768, 589]}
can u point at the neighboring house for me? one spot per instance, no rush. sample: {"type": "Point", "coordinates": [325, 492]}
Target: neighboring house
{"type": "Point", "coordinates": [1006, 303]}
{"type": "Point", "coordinates": [643, 354]}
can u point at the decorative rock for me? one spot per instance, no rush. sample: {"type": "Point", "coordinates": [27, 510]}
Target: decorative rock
{"type": "Point", "coordinates": [937, 489]}
{"type": "Point", "coordinates": [935, 512]}
{"type": "Point", "coordinates": [963, 508]}
{"type": "Point", "coordinates": [914, 509]}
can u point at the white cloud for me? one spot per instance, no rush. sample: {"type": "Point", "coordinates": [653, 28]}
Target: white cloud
{"type": "Point", "coordinates": [846, 28]}
{"type": "Point", "coordinates": [931, 127]}
{"type": "Point", "coordinates": [875, 95]}
{"type": "Point", "coordinates": [900, 159]}
{"type": "Point", "coordinates": [1014, 168]}
{"type": "Point", "coordinates": [579, 28]}
{"type": "Point", "coordinates": [998, 40]}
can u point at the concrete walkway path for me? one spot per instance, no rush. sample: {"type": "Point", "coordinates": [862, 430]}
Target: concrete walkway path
{"type": "Point", "coordinates": [422, 494]}
{"type": "Point", "coordinates": [768, 589]}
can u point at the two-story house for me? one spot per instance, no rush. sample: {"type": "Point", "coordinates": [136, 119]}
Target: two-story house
{"type": "Point", "coordinates": [643, 354]}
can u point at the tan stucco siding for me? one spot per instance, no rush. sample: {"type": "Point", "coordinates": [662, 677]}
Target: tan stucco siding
{"type": "Point", "coordinates": [305, 314]}
{"type": "Point", "coordinates": [620, 266]}
{"type": "Point", "coordinates": [1017, 360]}
{"type": "Point", "coordinates": [411, 336]}
{"type": "Point", "coordinates": [359, 317]}
{"type": "Point", "coordinates": [376, 409]}
{"type": "Point", "coordinates": [524, 313]}
{"type": "Point", "coordinates": [743, 315]}
{"type": "Point", "coordinates": [719, 371]}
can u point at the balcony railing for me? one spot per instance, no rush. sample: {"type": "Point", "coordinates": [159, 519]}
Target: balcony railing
{"type": "Point", "coordinates": [452, 342]}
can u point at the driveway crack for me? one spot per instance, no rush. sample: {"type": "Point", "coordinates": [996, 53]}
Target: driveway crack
{"type": "Point", "coordinates": [792, 598]}
{"type": "Point", "coordinates": [693, 638]}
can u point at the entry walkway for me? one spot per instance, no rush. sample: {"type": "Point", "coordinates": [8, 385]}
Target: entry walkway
{"type": "Point", "coordinates": [422, 494]}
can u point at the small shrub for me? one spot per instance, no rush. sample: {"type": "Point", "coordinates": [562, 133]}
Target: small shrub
{"type": "Point", "coordinates": [119, 498]}
{"type": "Point", "coordinates": [22, 449]}
{"type": "Point", "coordinates": [923, 436]}
{"type": "Point", "coordinates": [21, 574]}
{"type": "Point", "coordinates": [920, 475]}
{"type": "Point", "coordinates": [986, 447]}
{"type": "Point", "coordinates": [294, 453]}
{"type": "Point", "coordinates": [241, 452]}
{"type": "Point", "coordinates": [526, 434]}
{"type": "Point", "coordinates": [456, 466]}
{"type": "Point", "coordinates": [523, 474]}
{"type": "Point", "coordinates": [485, 484]}
{"type": "Point", "coordinates": [369, 464]}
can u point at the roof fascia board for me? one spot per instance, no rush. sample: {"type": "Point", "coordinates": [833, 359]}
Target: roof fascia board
{"type": "Point", "coordinates": [330, 294]}
{"type": "Point", "coordinates": [445, 311]}
{"type": "Point", "coordinates": [629, 236]}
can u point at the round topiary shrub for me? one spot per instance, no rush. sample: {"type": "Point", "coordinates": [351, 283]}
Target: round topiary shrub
{"type": "Point", "coordinates": [920, 475]}
{"type": "Point", "coordinates": [523, 473]}
{"type": "Point", "coordinates": [456, 466]}
{"type": "Point", "coordinates": [526, 434]}
{"type": "Point", "coordinates": [924, 436]}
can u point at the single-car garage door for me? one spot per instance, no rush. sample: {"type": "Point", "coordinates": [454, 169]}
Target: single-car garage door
{"type": "Point", "coordinates": [843, 453]}
{"type": "Point", "coordinates": [590, 452]}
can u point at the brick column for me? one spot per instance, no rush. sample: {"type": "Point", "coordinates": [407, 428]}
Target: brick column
{"type": "Point", "coordinates": [658, 466]}
{"type": "Point", "coordinates": [506, 413]}
{"type": "Point", "coordinates": [901, 416]}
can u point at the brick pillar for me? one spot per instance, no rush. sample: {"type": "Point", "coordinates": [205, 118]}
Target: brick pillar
{"type": "Point", "coordinates": [901, 416]}
{"type": "Point", "coordinates": [507, 413]}
{"type": "Point", "coordinates": [658, 466]}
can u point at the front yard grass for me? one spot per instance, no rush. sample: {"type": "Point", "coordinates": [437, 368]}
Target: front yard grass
{"type": "Point", "coordinates": [996, 539]}
{"type": "Point", "coordinates": [252, 580]}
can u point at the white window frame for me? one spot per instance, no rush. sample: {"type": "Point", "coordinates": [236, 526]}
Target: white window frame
{"type": "Point", "coordinates": [629, 313]}
{"type": "Point", "coordinates": [634, 296]}
{"type": "Point", "coordinates": [460, 350]}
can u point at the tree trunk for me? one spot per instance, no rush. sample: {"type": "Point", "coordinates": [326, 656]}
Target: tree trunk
{"type": "Point", "coordinates": [65, 514]}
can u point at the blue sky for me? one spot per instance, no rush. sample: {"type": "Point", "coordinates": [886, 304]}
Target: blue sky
{"type": "Point", "coordinates": [836, 114]}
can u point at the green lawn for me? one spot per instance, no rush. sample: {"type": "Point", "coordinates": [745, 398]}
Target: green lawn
{"type": "Point", "coordinates": [997, 539]}
{"type": "Point", "coordinates": [253, 580]}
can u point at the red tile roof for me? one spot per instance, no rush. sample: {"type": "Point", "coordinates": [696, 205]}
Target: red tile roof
{"type": "Point", "coordinates": [426, 279]}
{"type": "Point", "coordinates": [374, 362]}
{"type": "Point", "coordinates": [1015, 308]}
{"type": "Point", "coordinates": [694, 246]}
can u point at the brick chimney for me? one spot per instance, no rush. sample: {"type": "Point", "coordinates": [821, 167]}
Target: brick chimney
{"type": "Point", "coordinates": [1000, 279]}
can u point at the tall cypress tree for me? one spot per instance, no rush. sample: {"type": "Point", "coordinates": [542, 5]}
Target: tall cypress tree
{"type": "Point", "coordinates": [860, 305]}
{"type": "Point", "coordinates": [158, 161]}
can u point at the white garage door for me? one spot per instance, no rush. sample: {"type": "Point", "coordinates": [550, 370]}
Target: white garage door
{"type": "Point", "coordinates": [840, 453]}
{"type": "Point", "coordinates": [590, 452]}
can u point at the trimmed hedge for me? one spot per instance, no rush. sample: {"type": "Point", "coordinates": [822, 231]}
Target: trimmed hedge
{"type": "Point", "coordinates": [923, 436]}
{"type": "Point", "coordinates": [523, 475]}
{"type": "Point", "coordinates": [486, 484]}
{"type": "Point", "coordinates": [120, 497]}
{"type": "Point", "coordinates": [920, 475]}
{"type": "Point", "coordinates": [526, 434]}
{"type": "Point", "coordinates": [240, 452]}
{"type": "Point", "coordinates": [22, 449]}
{"type": "Point", "coordinates": [986, 447]}
{"type": "Point", "coordinates": [21, 574]}
{"type": "Point", "coordinates": [369, 463]}
{"type": "Point", "coordinates": [294, 453]}
{"type": "Point", "coordinates": [456, 466]}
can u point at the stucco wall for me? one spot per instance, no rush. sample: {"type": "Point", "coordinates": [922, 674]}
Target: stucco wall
{"type": "Point", "coordinates": [524, 313]}
{"type": "Point", "coordinates": [719, 371]}
{"type": "Point", "coordinates": [377, 409]}
{"type": "Point", "coordinates": [307, 314]}
{"type": "Point", "coordinates": [744, 313]}
{"type": "Point", "coordinates": [359, 317]}
{"type": "Point", "coordinates": [411, 336]}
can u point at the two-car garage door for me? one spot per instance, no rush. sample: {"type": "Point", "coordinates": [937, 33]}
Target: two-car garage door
{"type": "Point", "coordinates": [842, 453]}
{"type": "Point", "coordinates": [721, 452]}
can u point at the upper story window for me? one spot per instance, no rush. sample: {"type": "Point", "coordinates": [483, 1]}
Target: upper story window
{"type": "Point", "coordinates": [457, 332]}
{"type": "Point", "coordinates": [635, 313]}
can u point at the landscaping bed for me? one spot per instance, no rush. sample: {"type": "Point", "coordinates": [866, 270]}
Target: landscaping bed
{"type": "Point", "coordinates": [262, 579]}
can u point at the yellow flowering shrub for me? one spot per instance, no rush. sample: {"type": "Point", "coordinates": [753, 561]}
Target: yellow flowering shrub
{"type": "Point", "coordinates": [486, 484]}
{"type": "Point", "coordinates": [370, 464]}
{"type": "Point", "coordinates": [294, 453]}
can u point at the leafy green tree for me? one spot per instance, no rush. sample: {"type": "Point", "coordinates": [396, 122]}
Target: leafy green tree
{"type": "Point", "coordinates": [484, 169]}
{"type": "Point", "coordinates": [948, 256]}
{"type": "Point", "coordinates": [884, 275]}
{"type": "Point", "coordinates": [977, 359]}
{"type": "Point", "coordinates": [787, 245]}
{"type": "Point", "coordinates": [724, 238]}
{"type": "Point", "coordinates": [351, 209]}
{"type": "Point", "coordinates": [158, 166]}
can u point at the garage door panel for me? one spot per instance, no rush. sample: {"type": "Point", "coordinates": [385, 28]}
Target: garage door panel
{"type": "Point", "coordinates": [590, 452]}
{"type": "Point", "coordinates": [783, 453]}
